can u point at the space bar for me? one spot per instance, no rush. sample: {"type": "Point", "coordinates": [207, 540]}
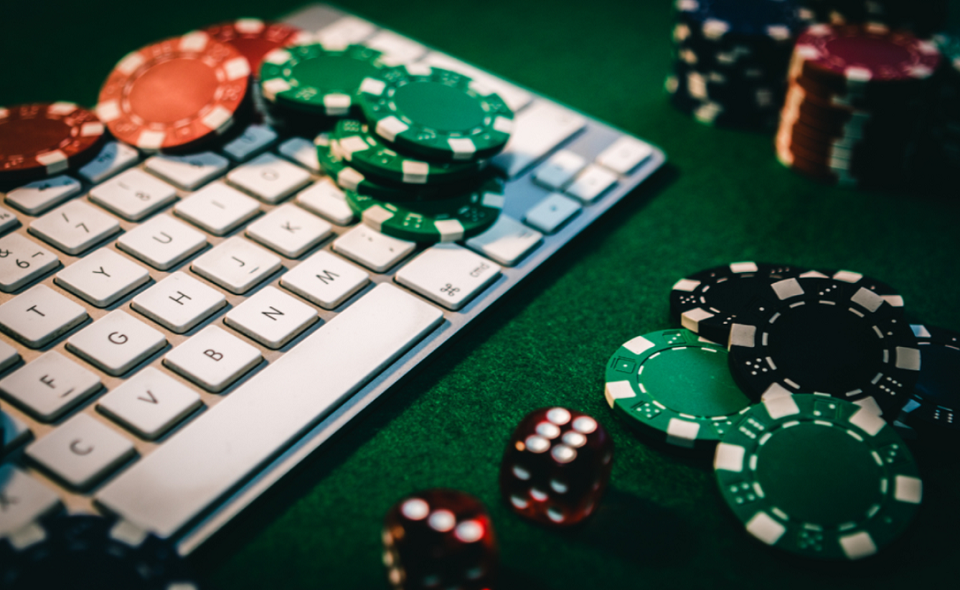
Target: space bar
{"type": "Point", "coordinates": [208, 458]}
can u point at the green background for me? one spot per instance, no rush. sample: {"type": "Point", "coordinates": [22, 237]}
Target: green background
{"type": "Point", "coordinates": [723, 197]}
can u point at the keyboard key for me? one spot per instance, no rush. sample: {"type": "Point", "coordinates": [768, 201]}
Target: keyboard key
{"type": "Point", "coordinates": [592, 182]}
{"type": "Point", "coordinates": [289, 230]}
{"type": "Point", "coordinates": [231, 440]}
{"type": "Point", "coordinates": [448, 274]}
{"type": "Point", "coordinates": [396, 49]}
{"type": "Point", "coordinates": [81, 452]}
{"type": "Point", "coordinates": [133, 194]}
{"type": "Point", "coordinates": [213, 359]}
{"type": "Point", "coordinates": [269, 178]}
{"type": "Point", "coordinates": [372, 249]}
{"type": "Point", "coordinates": [188, 172]}
{"type": "Point", "coordinates": [537, 131]}
{"type": "Point", "coordinates": [74, 227]}
{"type": "Point", "coordinates": [39, 316]}
{"type": "Point", "coordinates": [552, 212]}
{"type": "Point", "coordinates": [116, 343]}
{"type": "Point", "coordinates": [41, 195]}
{"type": "Point", "coordinates": [15, 432]}
{"type": "Point", "coordinates": [102, 278]}
{"type": "Point", "coordinates": [325, 280]}
{"type": "Point", "coordinates": [217, 208]}
{"type": "Point", "coordinates": [326, 200]}
{"type": "Point", "coordinates": [624, 155]}
{"type": "Point", "coordinates": [49, 386]}
{"type": "Point", "coordinates": [236, 265]}
{"type": "Point", "coordinates": [8, 356]}
{"type": "Point", "coordinates": [23, 261]}
{"type": "Point", "coordinates": [251, 142]}
{"type": "Point", "coordinates": [345, 31]}
{"type": "Point", "coordinates": [507, 242]}
{"type": "Point", "coordinates": [302, 152]}
{"type": "Point", "coordinates": [271, 317]}
{"type": "Point", "coordinates": [113, 158]}
{"type": "Point", "coordinates": [150, 403]}
{"type": "Point", "coordinates": [8, 220]}
{"type": "Point", "coordinates": [559, 169]}
{"type": "Point", "coordinates": [22, 499]}
{"type": "Point", "coordinates": [178, 302]}
{"type": "Point", "coordinates": [515, 97]}
{"type": "Point", "coordinates": [162, 242]}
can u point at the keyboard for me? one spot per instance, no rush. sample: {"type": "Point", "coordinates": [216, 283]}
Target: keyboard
{"type": "Point", "coordinates": [180, 332]}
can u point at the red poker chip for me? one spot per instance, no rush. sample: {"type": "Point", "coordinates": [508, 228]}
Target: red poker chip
{"type": "Point", "coordinates": [254, 38]}
{"type": "Point", "coordinates": [174, 93]}
{"type": "Point", "coordinates": [43, 139]}
{"type": "Point", "coordinates": [851, 56]}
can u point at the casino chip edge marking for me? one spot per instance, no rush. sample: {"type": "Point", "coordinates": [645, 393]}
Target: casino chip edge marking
{"type": "Point", "coordinates": [735, 463]}
{"type": "Point", "coordinates": [762, 377]}
{"type": "Point", "coordinates": [440, 221]}
{"type": "Point", "coordinates": [84, 133]}
{"type": "Point", "coordinates": [334, 99]}
{"type": "Point", "coordinates": [231, 70]}
{"type": "Point", "coordinates": [388, 119]}
{"type": "Point", "coordinates": [627, 396]}
{"type": "Point", "coordinates": [920, 413]}
{"type": "Point", "coordinates": [690, 303]}
{"type": "Point", "coordinates": [368, 155]}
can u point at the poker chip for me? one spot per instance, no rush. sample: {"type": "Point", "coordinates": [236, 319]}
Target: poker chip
{"type": "Point", "coordinates": [812, 334]}
{"type": "Point", "coordinates": [446, 220]}
{"type": "Point", "coordinates": [174, 94]}
{"type": "Point", "coordinates": [893, 297]}
{"type": "Point", "coordinates": [92, 552]}
{"type": "Point", "coordinates": [731, 60]}
{"type": "Point", "coordinates": [316, 78]}
{"type": "Point", "coordinates": [369, 155]}
{"type": "Point", "coordinates": [818, 477]}
{"type": "Point", "coordinates": [707, 302]}
{"type": "Point", "coordinates": [43, 139]}
{"type": "Point", "coordinates": [934, 406]}
{"type": "Point", "coordinates": [676, 386]}
{"type": "Point", "coordinates": [254, 38]}
{"type": "Point", "coordinates": [436, 114]}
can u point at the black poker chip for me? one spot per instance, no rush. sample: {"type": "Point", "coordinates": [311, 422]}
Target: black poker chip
{"type": "Point", "coordinates": [890, 295]}
{"type": "Point", "coordinates": [820, 335]}
{"type": "Point", "coordinates": [81, 553]}
{"type": "Point", "coordinates": [708, 302]}
{"type": "Point", "coordinates": [934, 407]}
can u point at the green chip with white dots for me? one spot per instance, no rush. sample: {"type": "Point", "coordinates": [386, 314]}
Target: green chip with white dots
{"type": "Point", "coordinates": [365, 152]}
{"type": "Point", "coordinates": [435, 113]}
{"type": "Point", "coordinates": [818, 477]}
{"type": "Point", "coordinates": [316, 78]}
{"type": "Point", "coordinates": [446, 220]}
{"type": "Point", "coordinates": [676, 386]}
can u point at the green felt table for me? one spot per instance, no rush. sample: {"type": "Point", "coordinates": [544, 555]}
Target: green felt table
{"type": "Point", "coordinates": [723, 197]}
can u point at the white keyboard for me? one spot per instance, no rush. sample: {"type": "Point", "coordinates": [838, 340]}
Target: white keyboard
{"type": "Point", "coordinates": [178, 332]}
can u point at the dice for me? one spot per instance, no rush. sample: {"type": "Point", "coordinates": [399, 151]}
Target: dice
{"type": "Point", "coordinates": [440, 539]}
{"type": "Point", "coordinates": [556, 466]}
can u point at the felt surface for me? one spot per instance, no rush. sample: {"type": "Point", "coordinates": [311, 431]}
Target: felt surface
{"type": "Point", "coordinates": [723, 197]}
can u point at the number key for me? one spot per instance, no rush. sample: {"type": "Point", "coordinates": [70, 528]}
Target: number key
{"type": "Point", "coordinates": [22, 261]}
{"type": "Point", "coordinates": [74, 227]}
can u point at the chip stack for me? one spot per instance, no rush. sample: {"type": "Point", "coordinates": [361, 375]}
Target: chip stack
{"type": "Point", "coordinates": [414, 164]}
{"type": "Point", "coordinates": [731, 59]}
{"type": "Point", "coordinates": [858, 99]}
{"type": "Point", "coordinates": [920, 17]}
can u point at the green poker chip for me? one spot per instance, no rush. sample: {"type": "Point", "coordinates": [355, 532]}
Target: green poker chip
{"type": "Point", "coordinates": [318, 79]}
{"type": "Point", "coordinates": [675, 385]}
{"type": "Point", "coordinates": [819, 477]}
{"type": "Point", "coordinates": [370, 156]}
{"type": "Point", "coordinates": [436, 114]}
{"type": "Point", "coordinates": [447, 220]}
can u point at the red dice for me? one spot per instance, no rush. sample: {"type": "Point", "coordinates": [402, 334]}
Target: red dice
{"type": "Point", "coordinates": [440, 539]}
{"type": "Point", "coordinates": [556, 466]}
